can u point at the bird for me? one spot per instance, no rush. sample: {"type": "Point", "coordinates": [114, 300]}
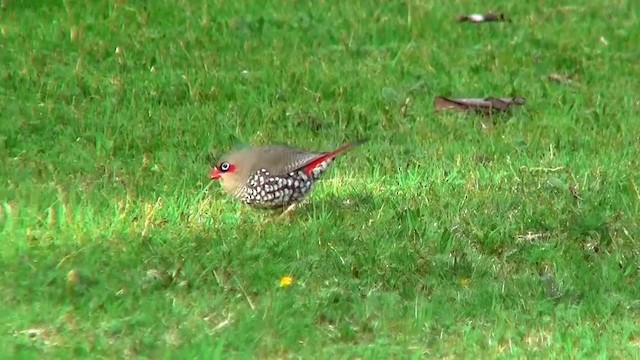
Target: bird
{"type": "Point", "coordinates": [274, 176]}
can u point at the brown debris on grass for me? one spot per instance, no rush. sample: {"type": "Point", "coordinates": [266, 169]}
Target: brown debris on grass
{"type": "Point", "coordinates": [481, 18]}
{"type": "Point", "coordinates": [486, 106]}
{"type": "Point", "coordinates": [550, 283]}
{"type": "Point", "coordinates": [164, 278]}
{"type": "Point", "coordinates": [39, 336]}
{"type": "Point", "coordinates": [531, 237]}
{"type": "Point", "coordinates": [562, 79]}
{"type": "Point", "coordinates": [571, 184]}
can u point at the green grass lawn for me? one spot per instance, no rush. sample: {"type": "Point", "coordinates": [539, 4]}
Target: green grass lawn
{"type": "Point", "coordinates": [446, 235]}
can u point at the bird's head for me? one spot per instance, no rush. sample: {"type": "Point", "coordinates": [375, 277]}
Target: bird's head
{"type": "Point", "coordinates": [232, 170]}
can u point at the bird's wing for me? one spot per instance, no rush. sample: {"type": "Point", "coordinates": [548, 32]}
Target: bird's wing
{"type": "Point", "coordinates": [283, 160]}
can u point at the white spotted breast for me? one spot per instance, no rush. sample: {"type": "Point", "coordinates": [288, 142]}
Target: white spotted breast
{"type": "Point", "coordinates": [264, 189]}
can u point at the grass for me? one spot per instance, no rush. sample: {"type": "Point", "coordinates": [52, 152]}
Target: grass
{"type": "Point", "coordinates": [445, 236]}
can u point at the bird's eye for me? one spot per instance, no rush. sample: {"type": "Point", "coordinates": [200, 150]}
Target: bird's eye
{"type": "Point", "coordinates": [225, 166]}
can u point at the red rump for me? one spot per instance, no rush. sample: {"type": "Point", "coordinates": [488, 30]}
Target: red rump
{"type": "Point", "coordinates": [328, 156]}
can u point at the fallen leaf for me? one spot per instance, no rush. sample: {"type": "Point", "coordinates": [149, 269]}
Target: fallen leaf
{"type": "Point", "coordinates": [484, 105]}
{"type": "Point", "coordinates": [480, 18]}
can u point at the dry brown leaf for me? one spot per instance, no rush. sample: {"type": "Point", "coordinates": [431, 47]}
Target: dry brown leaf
{"type": "Point", "coordinates": [483, 105]}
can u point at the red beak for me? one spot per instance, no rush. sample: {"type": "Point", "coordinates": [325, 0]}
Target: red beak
{"type": "Point", "coordinates": [214, 174]}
